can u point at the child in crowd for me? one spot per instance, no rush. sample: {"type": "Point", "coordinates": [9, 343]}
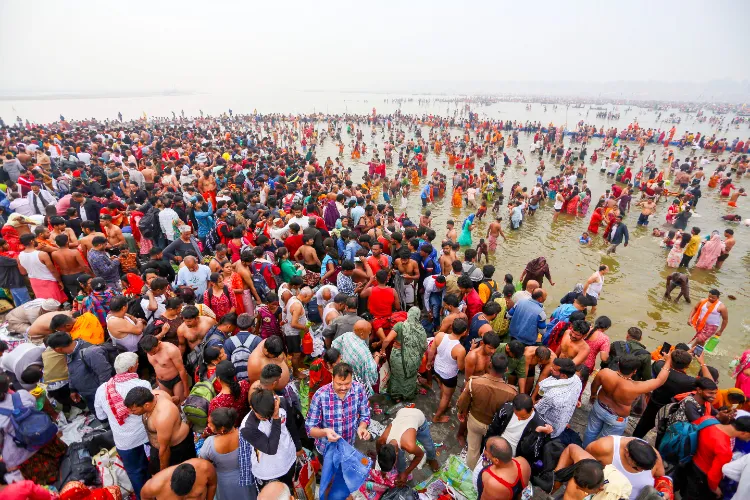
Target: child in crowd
{"type": "Point", "coordinates": [585, 239]}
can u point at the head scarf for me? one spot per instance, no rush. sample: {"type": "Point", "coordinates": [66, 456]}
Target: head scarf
{"type": "Point", "coordinates": [469, 219]}
{"type": "Point", "coordinates": [578, 288]}
{"type": "Point", "coordinates": [536, 266]}
{"type": "Point", "coordinates": [413, 340]}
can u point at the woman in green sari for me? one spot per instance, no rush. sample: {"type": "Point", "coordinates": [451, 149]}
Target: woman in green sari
{"type": "Point", "coordinates": [406, 356]}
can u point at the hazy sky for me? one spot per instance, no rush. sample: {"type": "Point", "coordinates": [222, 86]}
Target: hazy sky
{"type": "Point", "coordinates": [78, 45]}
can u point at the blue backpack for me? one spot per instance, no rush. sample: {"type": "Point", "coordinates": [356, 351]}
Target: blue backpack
{"type": "Point", "coordinates": [32, 429]}
{"type": "Point", "coordinates": [681, 440]}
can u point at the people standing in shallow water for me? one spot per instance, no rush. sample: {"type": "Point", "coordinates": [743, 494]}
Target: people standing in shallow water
{"type": "Point", "coordinates": [464, 239]}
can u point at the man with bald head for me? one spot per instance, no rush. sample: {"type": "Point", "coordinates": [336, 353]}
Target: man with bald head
{"type": "Point", "coordinates": [325, 296]}
{"type": "Point", "coordinates": [525, 294]}
{"type": "Point", "coordinates": [355, 350]}
{"type": "Point", "coordinates": [528, 319]}
{"type": "Point", "coordinates": [515, 472]}
{"type": "Point", "coordinates": [296, 326]}
{"type": "Point", "coordinates": [193, 275]}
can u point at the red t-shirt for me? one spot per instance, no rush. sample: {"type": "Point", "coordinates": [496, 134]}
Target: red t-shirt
{"type": "Point", "coordinates": [713, 452]}
{"type": "Point", "coordinates": [292, 243]}
{"type": "Point", "coordinates": [473, 303]}
{"type": "Point", "coordinates": [381, 302]}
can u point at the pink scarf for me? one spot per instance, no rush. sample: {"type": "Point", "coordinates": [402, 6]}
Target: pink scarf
{"type": "Point", "coordinates": [114, 399]}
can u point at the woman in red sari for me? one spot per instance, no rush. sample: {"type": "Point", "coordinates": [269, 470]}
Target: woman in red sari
{"type": "Point", "coordinates": [596, 218]}
{"type": "Point", "coordinates": [611, 217]}
{"type": "Point", "coordinates": [235, 284]}
{"type": "Point", "coordinates": [571, 202]}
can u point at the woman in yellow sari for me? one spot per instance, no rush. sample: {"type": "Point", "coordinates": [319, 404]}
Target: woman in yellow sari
{"type": "Point", "coordinates": [415, 178]}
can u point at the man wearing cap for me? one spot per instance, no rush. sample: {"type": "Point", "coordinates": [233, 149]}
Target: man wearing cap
{"type": "Point", "coordinates": [557, 395]}
{"type": "Point", "coordinates": [20, 319]}
{"type": "Point", "coordinates": [128, 430]}
{"type": "Point", "coordinates": [39, 199]}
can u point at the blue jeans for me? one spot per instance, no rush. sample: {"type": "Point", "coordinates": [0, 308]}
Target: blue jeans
{"type": "Point", "coordinates": [136, 465]}
{"type": "Point", "coordinates": [425, 439]}
{"type": "Point", "coordinates": [20, 296]}
{"type": "Point", "coordinates": [436, 302]}
{"type": "Point", "coordinates": [603, 423]}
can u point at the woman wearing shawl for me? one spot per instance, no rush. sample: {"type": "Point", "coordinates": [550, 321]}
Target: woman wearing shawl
{"type": "Point", "coordinates": [583, 206]}
{"type": "Point", "coordinates": [536, 270]}
{"type": "Point", "coordinates": [742, 373]}
{"type": "Point", "coordinates": [406, 356]}
{"type": "Point", "coordinates": [12, 231]}
{"type": "Point", "coordinates": [571, 204]}
{"type": "Point", "coordinates": [596, 218]}
{"type": "Point", "coordinates": [331, 212]}
{"type": "Point", "coordinates": [464, 239]}
{"type": "Point", "coordinates": [710, 252]}
{"type": "Point", "coordinates": [458, 199]}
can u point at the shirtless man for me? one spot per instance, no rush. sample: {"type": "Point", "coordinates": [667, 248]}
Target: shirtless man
{"type": "Point", "coordinates": [409, 270]}
{"type": "Point", "coordinates": [170, 438]}
{"type": "Point", "coordinates": [70, 263]}
{"type": "Point", "coordinates": [637, 458]}
{"type": "Point", "coordinates": [194, 479]}
{"type": "Point", "coordinates": [648, 207]}
{"type": "Point", "coordinates": [58, 228]}
{"type": "Point", "coordinates": [479, 357]}
{"type": "Point", "coordinates": [513, 471]}
{"type": "Point", "coordinates": [729, 243]}
{"type": "Point", "coordinates": [447, 258]}
{"type": "Point", "coordinates": [573, 346]}
{"type": "Point", "coordinates": [452, 234]}
{"type": "Point", "coordinates": [537, 355]}
{"type": "Point", "coordinates": [307, 254]}
{"type": "Point", "coordinates": [89, 233]}
{"type": "Point", "coordinates": [43, 325]}
{"type": "Point", "coordinates": [115, 239]}
{"type": "Point", "coordinates": [242, 267]}
{"type": "Point", "coordinates": [195, 327]}
{"type": "Point", "coordinates": [207, 186]}
{"type": "Point", "coordinates": [269, 351]}
{"type": "Point", "coordinates": [612, 403]}
{"type": "Point", "coordinates": [148, 175]}
{"type": "Point", "coordinates": [166, 358]}
{"type": "Point", "coordinates": [493, 231]}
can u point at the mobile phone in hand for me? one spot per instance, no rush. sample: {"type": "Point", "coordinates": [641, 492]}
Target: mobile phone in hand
{"type": "Point", "coordinates": [698, 350]}
{"type": "Point", "coordinates": [665, 348]}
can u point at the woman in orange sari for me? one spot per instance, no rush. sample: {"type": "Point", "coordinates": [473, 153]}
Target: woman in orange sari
{"type": "Point", "coordinates": [458, 199]}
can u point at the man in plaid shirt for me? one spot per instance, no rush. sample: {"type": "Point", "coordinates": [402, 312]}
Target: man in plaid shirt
{"type": "Point", "coordinates": [338, 410]}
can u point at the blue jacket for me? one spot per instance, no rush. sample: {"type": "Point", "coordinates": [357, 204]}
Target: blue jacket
{"type": "Point", "coordinates": [527, 320]}
{"type": "Point", "coordinates": [86, 376]}
{"type": "Point", "coordinates": [620, 233]}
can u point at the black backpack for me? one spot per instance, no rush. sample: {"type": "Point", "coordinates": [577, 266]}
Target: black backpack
{"type": "Point", "coordinates": [621, 348]}
{"type": "Point", "coordinates": [149, 224]}
{"type": "Point", "coordinates": [195, 357]}
{"type": "Point", "coordinates": [492, 285]}
{"type": "Point", "coordinates": [110, 351]}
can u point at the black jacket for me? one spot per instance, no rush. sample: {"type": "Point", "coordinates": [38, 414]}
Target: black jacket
{"type": "Point", "coordinates": [91, 207]}
{"type": "Point", "coordinates": [10, 276]}
{"type": "Point", "coordinates": [163, 267]}
{"type": "Point", "coordinates": [531, 443]}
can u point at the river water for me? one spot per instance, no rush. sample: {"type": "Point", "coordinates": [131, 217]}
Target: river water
{"type": "Point", "coordinates": [633, 289]}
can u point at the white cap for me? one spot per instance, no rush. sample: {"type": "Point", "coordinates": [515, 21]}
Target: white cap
{"type": "Point", "coordinates": [51, 305]}
{"type": "Point", "coordinates": [125, 361]}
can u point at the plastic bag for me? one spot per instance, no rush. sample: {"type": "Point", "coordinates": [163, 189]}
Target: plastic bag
{"type": "Point", "coordinates": [457, 478]}
{"type": "Point", "coordinates": [384, 376]}
{"type": "Point", "coordinates": [111, 470]}
{"type": "Point", "coordinates": [304, 478]}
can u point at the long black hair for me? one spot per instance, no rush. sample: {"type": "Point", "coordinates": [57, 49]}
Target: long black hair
{"type": "Point", "coordinates": [226, 373]}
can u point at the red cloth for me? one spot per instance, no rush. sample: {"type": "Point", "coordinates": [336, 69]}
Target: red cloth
{"type": "Point", "coordinates": [135, 216]}
{"type": "Point", "coordinates": [381, 302]}
{"type": "Point", "coordinates": [474, 303]}
{"type": "Point", "coordinates": [26, 490]}
{"type": "Point", "coordinates": [114, 399]}
{"type": "Point", "coordinates": [713, 452]}
{"type": "Point", "coordinates": [292, 243]}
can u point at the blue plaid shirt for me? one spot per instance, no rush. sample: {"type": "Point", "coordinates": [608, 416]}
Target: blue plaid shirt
{"type": "Point", "coordinates": [329, 411]}
{"type": "Point", "coordinates": [246, 471]}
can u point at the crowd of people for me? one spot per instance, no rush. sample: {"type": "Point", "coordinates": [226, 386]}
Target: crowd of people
{"type": "Point", "coordinates": [234, 310]}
